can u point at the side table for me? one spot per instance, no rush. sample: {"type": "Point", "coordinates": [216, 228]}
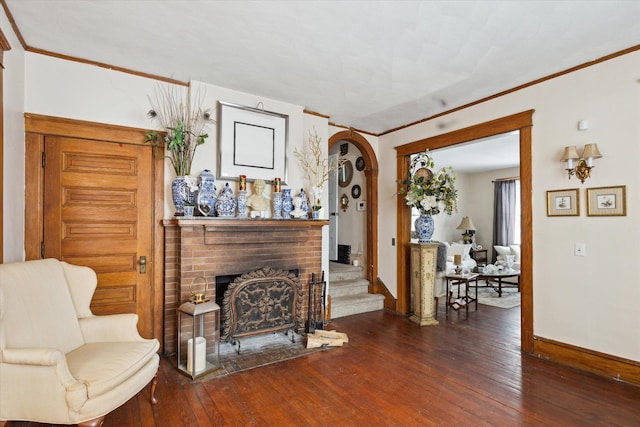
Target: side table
{"type": "Point", "coordinates": [464, 301]}
{"type": "Point", "coordinates": [479, 255]}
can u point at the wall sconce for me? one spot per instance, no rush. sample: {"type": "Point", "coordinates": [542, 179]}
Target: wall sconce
{"type": "Point", "coordinates": [585, 162]}
{"type": "Point", "coordinates": [469, 229]}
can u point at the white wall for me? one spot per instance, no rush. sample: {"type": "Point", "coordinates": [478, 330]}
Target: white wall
{"type": "Point", "coordinates": [84, 92]}
{"type": "Point", "coordinates": [590, 302]}
{"type": "Point", "coordinates": [13, 156]}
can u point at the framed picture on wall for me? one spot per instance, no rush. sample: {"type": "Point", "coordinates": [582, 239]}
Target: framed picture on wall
{"type": "Point", "coordinates": [563, 202]}
{"type": "Point", "coordinates": [251, 142]}
{"type": "Point", "coordinates": [607, 201]}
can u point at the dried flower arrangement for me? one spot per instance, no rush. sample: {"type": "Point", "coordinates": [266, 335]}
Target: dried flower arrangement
{"type": "Point", "coordinates": [183, 126]}
{"type": "Point", "coordinates": [316, 165]}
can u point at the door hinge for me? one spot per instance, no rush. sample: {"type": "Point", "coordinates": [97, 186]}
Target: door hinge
{"type": "Point", "coordinates": [43, 159]}
{"type": "Point", "coordinates": [42, 250]}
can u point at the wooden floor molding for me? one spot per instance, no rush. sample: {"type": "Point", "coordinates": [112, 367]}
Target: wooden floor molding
{"type": "Point", "coordinates": [466, 371]}
{"type": "Point", "coordinates": [617, 368]}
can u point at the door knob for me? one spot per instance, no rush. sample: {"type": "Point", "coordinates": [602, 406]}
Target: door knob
{"type": "Point", "coordinates": [143, 264]}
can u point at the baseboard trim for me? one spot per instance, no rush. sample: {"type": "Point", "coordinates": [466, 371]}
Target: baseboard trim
{"type": "Point", "coordinates": [614, 367]}
{"type": "Point", "coordinates": [390, 302]}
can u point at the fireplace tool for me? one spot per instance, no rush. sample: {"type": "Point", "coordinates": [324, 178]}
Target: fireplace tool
{"type": "Point", "coordinates": [313, 322]}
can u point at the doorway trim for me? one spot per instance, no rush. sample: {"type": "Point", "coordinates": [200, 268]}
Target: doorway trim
{"type": "Point", "coordinates": [371, 178]}
{"type": "Point", "coordinates": [36, 128]}
{"type": "Point", "coordinates": [522, 122]}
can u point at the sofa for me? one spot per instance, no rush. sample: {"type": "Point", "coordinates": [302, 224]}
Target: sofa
{"type": "Point", "coordinates": [59, 363]}
{"type": "Point", "coordinates": [503, 251]}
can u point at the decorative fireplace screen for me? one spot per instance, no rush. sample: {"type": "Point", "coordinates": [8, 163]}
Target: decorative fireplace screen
{"type": "Point", "coordinates": [264, 300]}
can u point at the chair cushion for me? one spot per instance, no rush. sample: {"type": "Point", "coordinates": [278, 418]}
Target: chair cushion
{"type": "Point", "coordinates": [103, 366]}
{"type": "Point", "coordinates": [41, 313]}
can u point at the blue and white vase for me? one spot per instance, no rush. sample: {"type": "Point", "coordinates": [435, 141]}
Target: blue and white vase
{"type": "Point", "coordinates": [226, 204]}
{"type": "Point", "coordinates": [179, 193]}
{"type": "Point", "coordinates": [242, 204]}
{"type": "Point", "coordinates": [287, 203]}
{"type": "Point", "coordinates": [206, 200]}
{"type": "Point", "coordinates": [304, 204]}
{"type": "Point", "coordinates": [276, 197]}
{"type": "Point", "coordinates": [424, 228]}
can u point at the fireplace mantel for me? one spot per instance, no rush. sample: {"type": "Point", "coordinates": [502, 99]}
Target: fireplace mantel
{"type": "Point", "coordinates": [215, 222]}
{"type": "Point", "coordinates": [211, 247]}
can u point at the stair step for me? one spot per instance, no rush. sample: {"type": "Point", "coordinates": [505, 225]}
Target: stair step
{"type": "Point", "coordinates": [339, 271]}
{"type": "Point", "coordinates": [340, 288]}
{"type": "Point", "coordinates": [355, 304]}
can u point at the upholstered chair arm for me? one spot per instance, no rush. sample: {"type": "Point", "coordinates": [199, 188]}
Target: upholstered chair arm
{"type": "Point", "coordinates": [40, 357]}
{"type": "Point", "coordinates": [110, 328]}
{"type": "Point", "coordinates": [44, 369]}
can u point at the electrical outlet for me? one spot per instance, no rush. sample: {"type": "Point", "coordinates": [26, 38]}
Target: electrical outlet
{"type": "Point", "coordinates": [580, 249]}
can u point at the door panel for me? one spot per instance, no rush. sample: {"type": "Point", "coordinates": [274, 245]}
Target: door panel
{"type": "Point", "coordinates": [98, 210]}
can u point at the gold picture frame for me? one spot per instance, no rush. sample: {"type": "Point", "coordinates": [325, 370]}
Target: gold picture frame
{"type": "Point", "coordinates": [563, 202]}
{"type": "Point", "coordinates": [607, 201]}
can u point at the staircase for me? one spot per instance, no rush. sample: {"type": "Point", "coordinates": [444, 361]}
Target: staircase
{"type": "Point", "coordinates": [349, 291]}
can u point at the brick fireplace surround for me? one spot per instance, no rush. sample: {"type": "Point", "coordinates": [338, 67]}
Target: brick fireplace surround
{"type": "Point", "coordinates": [213, 247]}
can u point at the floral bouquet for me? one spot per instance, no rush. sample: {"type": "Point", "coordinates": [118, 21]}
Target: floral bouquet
{"type": "Point", "coordinates": [428, 192]}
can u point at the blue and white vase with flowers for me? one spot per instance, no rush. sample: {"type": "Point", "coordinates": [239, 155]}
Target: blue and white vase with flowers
{"type": "Point", "coordinates": [182, 130]}
{"type": "Point", "coordinates": [428, 192]}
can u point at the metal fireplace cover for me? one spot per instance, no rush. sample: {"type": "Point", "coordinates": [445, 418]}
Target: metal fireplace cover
{"type": "Point", "coordinates": [261, 301]}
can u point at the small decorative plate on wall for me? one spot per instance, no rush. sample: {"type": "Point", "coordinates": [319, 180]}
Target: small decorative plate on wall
{"type": "Point", "coordinates": [356, 191]}
{"type": "Point", "coordinates": [360, 163]}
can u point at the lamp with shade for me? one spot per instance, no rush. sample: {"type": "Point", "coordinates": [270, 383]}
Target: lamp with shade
{"type": "Point", "coordinates": [469, 229]}
{"type": "Point", "coordinates": [585, 162]}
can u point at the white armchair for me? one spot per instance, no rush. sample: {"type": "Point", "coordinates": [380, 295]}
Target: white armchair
{"type": "Point", "coordinates": [58, 362]}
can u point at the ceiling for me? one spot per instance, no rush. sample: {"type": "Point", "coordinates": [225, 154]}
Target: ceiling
{"type": "Point", "coordinates": [371, 65]}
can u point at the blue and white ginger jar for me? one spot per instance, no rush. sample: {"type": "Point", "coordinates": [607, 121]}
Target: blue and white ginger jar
{"type": "Point", "coordinates": [226, 203]}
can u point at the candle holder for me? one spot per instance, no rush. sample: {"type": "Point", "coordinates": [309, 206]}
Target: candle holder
{"type": "Point", "coordinates": [198, 338]}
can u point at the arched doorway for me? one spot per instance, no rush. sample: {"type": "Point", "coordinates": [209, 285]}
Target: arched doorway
{"type": "Point", "coordinates": [371, 194]}
{"type": "Point", "coordinates": [522, 122]}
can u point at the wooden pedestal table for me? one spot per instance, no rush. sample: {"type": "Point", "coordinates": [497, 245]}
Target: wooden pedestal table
{"type": "Point", "coordinates": [466, 299]}
{"type": "Point", "coordinates": [423, 282]}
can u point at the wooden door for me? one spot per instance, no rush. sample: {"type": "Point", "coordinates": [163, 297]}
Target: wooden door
{"type": "Point", "coordinates": [98, 199]}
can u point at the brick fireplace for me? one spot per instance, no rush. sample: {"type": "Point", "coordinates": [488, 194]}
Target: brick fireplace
{"type": "Point", "coordinates": [214, 247]}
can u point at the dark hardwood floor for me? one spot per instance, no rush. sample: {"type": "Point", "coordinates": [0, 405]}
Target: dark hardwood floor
{"type": "Point", "coordinates": [463, 372]}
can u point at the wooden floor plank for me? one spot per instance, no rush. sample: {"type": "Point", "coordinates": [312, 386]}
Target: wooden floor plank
{"type": "Point", "coordinates": [468, 370]}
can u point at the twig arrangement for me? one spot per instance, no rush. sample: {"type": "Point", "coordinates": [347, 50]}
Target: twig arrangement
{"type": "Point", "coordinates": [317, 167]}
{"type": "Point", "coordinates": [183, 126]}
